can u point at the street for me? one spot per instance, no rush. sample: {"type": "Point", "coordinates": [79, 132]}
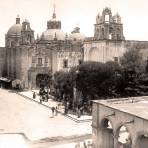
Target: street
{"type": "Point", "coordinates": [20, 115]}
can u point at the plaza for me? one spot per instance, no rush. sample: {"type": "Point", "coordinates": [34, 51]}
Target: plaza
{"type": "Point", "coordinates": [34, 121]}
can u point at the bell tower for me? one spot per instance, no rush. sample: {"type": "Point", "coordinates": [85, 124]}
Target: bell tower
{"type": "Point", "coordinates": [27, 33]}
{"type": "Point", "coordinates": [108, 27]}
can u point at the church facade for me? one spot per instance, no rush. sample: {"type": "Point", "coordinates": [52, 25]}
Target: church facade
{"type": "Point", "coordinates": [34, 61]}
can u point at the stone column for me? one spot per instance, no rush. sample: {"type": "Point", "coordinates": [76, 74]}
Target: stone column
{"type": "Point", "coordinates": [116, 145]}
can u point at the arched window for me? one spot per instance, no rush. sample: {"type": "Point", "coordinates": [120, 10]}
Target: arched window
{"type": "Point", "coordinates": [107, 18]}
{"type": "Point", "coordinates": [39, 61]}
{"type": "Point", "coordinates": [65, 63]}
{"type": "Point", "coordinates": [46, 59]}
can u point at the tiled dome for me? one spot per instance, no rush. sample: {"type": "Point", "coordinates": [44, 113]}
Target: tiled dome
{"type": "Point", "coordinates": [76, 35]}
{"type": "Point", "coordinates": [51, 34]}
{"type": "Point", "coordinates": [15, 30]}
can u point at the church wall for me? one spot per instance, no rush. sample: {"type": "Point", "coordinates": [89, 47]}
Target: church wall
{"type": "Point", "coordinates": [103, 51]}
{"type": "Point", "coordinates": [24, 64]}
{"type": "Point", "coordinates": [73, 54]}
{"type": "Point", "coordinates": [2, 60]}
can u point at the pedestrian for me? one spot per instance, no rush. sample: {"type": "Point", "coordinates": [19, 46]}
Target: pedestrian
{"type": "Point", "coordinates": [34, 95]}
{"type": "Point", "coordinates": [41, 99]}
{"type": "Point", "coordinates": [81, 110]}
{"type": "Point", "coordinates": [77, 145]}
{"type": "Point", "coordinates": [89, 145]}
{"type": "Point", "coordinates": [56, 111]}
{"type": "Point", "coordinates": [84, 144]}
{"type": "Point", "coordinates": [53, 109]}
{"type": "Point", "coordinates": [78, 112]}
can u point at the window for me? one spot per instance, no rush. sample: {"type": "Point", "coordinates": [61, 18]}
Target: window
{"type": "Point", "coordinates": [39, 61]}
{"type": "Point", "coordinates": [65, 64]}
{"type": "Point", "coordinates": [107, 18]}
{"type": "Point", "coordinates": [116, 59]}
{"type": "Point", "coordinates": [46, 59]}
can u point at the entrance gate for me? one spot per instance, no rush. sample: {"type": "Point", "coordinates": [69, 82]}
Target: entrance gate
{"type": "Point", "coordinates": [43, 80]}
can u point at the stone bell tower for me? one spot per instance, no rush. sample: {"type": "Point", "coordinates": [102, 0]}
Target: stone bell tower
{"type": "Point", "coordinates": [108, 27]}
{"type": "Point", "coordinates": [27, 33]}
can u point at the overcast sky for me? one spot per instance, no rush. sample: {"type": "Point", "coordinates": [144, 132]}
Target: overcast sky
{"type": "Point", "coordinates": [82, 13]}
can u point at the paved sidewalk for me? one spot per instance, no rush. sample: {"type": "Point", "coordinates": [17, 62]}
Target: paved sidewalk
{"type": "Point", "coordinates": [88, 143]}
{"type": "Point", "coordinates": [52, 103]}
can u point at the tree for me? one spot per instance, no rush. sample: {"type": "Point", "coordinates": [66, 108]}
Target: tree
{"type": "Point", "coordinates": [63, 84]}
{"type": "Point", "coordinates": [132, 61]}
{"type": "Point", "coordinates": [133, 66]}
{"type": "Point", "coordinates": [96, 80]}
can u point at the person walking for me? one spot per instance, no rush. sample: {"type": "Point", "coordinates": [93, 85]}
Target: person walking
{"type": "Point", "coordinates": [84, 144]}
{"type": "Point", "coordinates": [34, 95]}
{"type": "Point", "coordinates": [53, 109]}
{"type": "Point", "coordinates": [77, 145]}
{"type": "Point", "coordinates": [56, 111]}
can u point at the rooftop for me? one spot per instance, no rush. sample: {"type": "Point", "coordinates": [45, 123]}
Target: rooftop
{"type": "Point", "coordinates": [137, 106]}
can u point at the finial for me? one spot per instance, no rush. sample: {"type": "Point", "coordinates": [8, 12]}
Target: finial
{"type": "Point", "coordinates": [18, 16]}
{"type": "Point", "coordinates": [54, 14]}
{"type": "Point", "coordinates": [18, 19]}
{"type": "Point", "coordinates": [55, 36]}
{"type": "Point", "coordinates": [37, 36]}
{"type": "Point", "coordinates": [66, 36]}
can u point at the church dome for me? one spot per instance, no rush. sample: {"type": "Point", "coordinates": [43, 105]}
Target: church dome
{"type": "Point", "coordinates": [76, 35]}
{"type": "Point", "coordinates": [53, 31]}
{"type": "Point", "coordinates": [15, 30]}
{"type": "Point", "coordinates": [52, 34]}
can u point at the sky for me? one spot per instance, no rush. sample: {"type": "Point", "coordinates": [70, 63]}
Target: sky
{"type": "Point", "coordinates": [74, 13]}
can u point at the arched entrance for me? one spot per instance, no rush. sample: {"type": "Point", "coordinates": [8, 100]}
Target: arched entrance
{"type": "Point", "coordinates": [142, 141]}
{"type": "Point", "coordinates": [124, 137]}
{"type": "Point", "coordinates": [107, 134]}
{"type": "Point", "coordinates": [43, 80]}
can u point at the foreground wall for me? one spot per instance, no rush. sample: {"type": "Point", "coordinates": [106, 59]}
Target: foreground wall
{"type": "Point", "coordinates": [109, 139]}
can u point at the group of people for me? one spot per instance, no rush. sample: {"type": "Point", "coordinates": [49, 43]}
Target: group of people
{"type": "Point", "coordinates": [43, 93]}
{"type": "Point", "coordinates": [84, 145]}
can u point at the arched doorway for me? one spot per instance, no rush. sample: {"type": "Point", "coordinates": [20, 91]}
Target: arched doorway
{"type": "Point", "coordinates": [124, 137]}
{"type": "Point", "coordinates": [107, 134]}
{"type": "Point", "coordinates": [142, 141]}
{"type": "Point", "coordinates": [43, 80]}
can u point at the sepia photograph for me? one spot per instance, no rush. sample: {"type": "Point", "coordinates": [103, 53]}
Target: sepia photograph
{"type": "Point", "coordinates": [73, 74]}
